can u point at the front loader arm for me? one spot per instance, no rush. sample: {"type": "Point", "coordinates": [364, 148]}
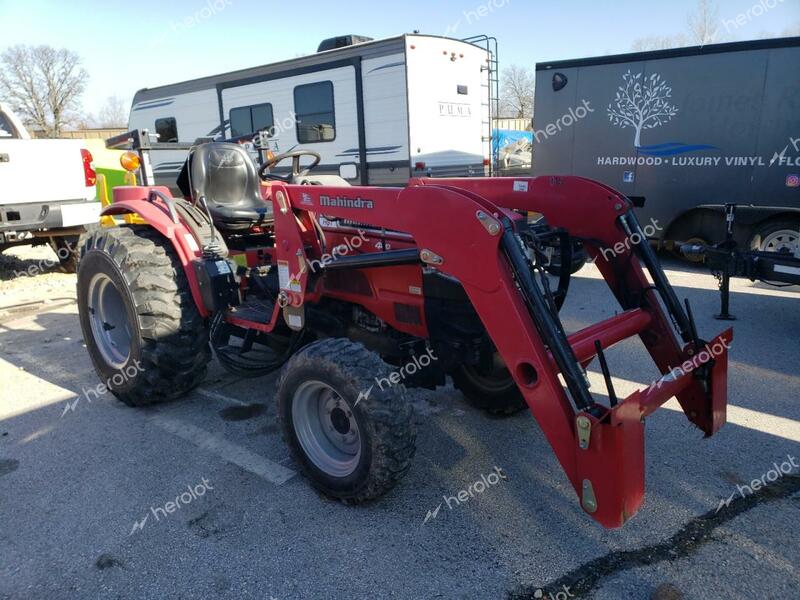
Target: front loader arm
{"type": "Point", "coordinates": [467, 229]}
{"type": "Point", "coordinates": [603, 220]}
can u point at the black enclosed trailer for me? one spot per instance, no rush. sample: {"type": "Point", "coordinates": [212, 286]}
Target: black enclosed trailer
{"type": "Point", "coordinates": [683, 132]}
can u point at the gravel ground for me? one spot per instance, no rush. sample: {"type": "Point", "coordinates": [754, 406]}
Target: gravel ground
{"type": "Point", "coordinates": [79, 472]}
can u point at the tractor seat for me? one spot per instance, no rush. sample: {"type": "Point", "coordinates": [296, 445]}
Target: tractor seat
{"type": "Point", "coordinates": [226, 176]}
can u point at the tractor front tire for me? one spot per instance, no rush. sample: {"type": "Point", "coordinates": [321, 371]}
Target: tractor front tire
{"type": "Point", "coordinates": [351, 439]}
{"type": "Point", "coordinates": [144, 334]}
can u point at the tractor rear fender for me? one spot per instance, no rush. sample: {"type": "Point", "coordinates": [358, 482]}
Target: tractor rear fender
{"type": "Point", "coordinates": [155, 212]}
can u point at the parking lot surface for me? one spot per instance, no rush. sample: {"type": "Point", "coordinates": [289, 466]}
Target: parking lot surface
{"type": "Point", "coordinates": [199, 498]}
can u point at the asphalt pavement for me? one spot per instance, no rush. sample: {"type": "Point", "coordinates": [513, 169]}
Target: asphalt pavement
{"type": "Point", "coordinates": [199, 498]}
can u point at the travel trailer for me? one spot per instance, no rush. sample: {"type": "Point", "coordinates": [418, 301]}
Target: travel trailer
{"type": "Point", "coordinates": [378, 112]}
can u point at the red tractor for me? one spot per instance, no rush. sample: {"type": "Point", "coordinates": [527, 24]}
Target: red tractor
{"type": "Point", "coordinates": [357, 292]}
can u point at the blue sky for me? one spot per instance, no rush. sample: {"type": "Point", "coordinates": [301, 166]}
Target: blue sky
{"type": "Point", "coordinates": [143, 43]}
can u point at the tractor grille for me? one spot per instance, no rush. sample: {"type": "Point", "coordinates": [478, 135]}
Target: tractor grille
{"type": "Point", "coordinates": [407, 313]}
{"type": "Point", "coordinates": [353, 282]}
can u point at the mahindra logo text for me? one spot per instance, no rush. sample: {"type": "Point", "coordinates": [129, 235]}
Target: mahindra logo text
{"type": "Point", "coordinates": [344, 202]}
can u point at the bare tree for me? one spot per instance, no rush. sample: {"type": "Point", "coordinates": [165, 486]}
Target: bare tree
{"type": "Point", "coordinates": [114, 113]}
{"type": "Point", "coordinates": [792, 30]}
{"type": "Point", "coordinates": [641, 103]}
{"type": "Point", "coordinates": [704, 23]}
{"type": "Point", "coordinates": [516, 92]}
{"type": "Point", "coordinates": [658, 42]}
{"type": "Point", "coordinates": [702, 28]}
{"type": "Point", "coordinates": [43, 84]}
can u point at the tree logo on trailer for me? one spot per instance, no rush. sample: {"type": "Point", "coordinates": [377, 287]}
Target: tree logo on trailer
{"type": "Point", "coordinates": [643, 102]}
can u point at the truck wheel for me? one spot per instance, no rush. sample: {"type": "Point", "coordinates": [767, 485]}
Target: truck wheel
{"type": "Point", "coordinates": [353, 440]}
{"type": "Point", "coordinates": [496, 393]}
{"type": "Point", "coordinates": [146, 339]}
{"type": "Point", "coordinates": [777, 236]}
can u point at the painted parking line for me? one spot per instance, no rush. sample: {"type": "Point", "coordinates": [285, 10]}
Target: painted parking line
{"type": "Point", "coordinates": [217, 396]}
{"type": "Point", "coordinates": [241, 457]}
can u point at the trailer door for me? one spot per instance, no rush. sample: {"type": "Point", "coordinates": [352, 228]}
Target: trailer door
{"type": "Point", "coordinates": [448, 106]}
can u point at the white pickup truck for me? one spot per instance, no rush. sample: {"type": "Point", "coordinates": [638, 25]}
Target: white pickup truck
{"type": "Point", "coordinates": [47, 190]}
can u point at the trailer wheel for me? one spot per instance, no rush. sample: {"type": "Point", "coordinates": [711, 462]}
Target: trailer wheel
{"type": "Point", "coordinates": [352, 440]}
{"type": "Point", "coordinates": [496, 392]}
{"type": "Point", "coordinates": [777, 236]}
{"type": "Point", "coordinates": [146, 339]}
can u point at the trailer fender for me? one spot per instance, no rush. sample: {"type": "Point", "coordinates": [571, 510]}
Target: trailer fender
{"type": "Point", "coordinates": [755, 215]}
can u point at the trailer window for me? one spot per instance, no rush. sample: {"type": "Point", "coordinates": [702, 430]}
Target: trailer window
{"type": "Point", "coordinates": [246, 120]}
{"type": "Point", "coordinates": [167, 130]}
{"type": "Point", "coordinates": [314, 108]}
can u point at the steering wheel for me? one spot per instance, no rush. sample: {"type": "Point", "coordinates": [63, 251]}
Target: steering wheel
{"type": "Point", "coordinates": [295, 155]}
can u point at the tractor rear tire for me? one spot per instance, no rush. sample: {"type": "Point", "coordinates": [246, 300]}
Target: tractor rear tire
{"type": "Point", "coordinates": [496, 394]}
{"type": "Point", "coordinates": [352, 440]}
{"type": "Point", "coordinates": [145, 336]}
